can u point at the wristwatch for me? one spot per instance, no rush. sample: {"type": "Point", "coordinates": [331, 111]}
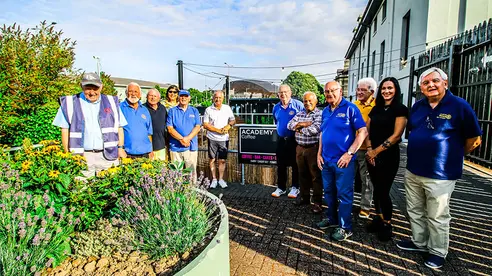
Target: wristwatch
{"type": "Point", "coordinates": [350, 153]}
{"type": "Point", "coordinates": [121, 147]}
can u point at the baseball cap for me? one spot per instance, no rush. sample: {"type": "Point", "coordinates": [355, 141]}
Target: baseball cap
{"type": "Point", "coordinates": [183, 92]}
{"type": "Point", "coordinates": [91, 78]}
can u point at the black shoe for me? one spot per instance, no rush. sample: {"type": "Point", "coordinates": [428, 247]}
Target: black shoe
{"type": "Point", "coordinates": [385, 232]}
{"type": "Point", "coordinates": [375, 224]}
{"type": "Point", "coordinates": [301, 202]}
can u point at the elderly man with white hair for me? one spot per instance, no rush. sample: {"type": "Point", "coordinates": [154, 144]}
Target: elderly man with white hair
{"type": "Point", "coordinates": [443, 129]}
{"type": "Point", "coordinates": [307, 124]}
{"type": "Point", "coordinates": [366, 89]}
{"type": "Point", "coordinates": [158, 115]}
{"type": "Point", "coordinates": [138, 131]}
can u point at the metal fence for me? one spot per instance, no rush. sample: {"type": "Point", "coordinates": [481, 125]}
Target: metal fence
{"type": "Point", "coordinates": [467, 59]}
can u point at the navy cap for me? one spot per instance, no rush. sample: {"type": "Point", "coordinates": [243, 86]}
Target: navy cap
{"type": "Point", "coordinates": [183, 92]}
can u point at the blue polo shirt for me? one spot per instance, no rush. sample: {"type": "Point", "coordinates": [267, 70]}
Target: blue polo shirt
{"type": "Point", "coordinates": [338, 128]}
{"type": "Point", "coordinates": [437, 137]}
{"type": "Point", "coordinates": [138, 129]}
{"type": "Point", "coordinates": [183, 121]}
{"type": "Point", "coordinates": [282, 116]}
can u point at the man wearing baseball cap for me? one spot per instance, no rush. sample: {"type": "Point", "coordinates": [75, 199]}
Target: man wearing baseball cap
{"type": "Point", "coordinates": [92, 125]}
{"type": "Point", "coordinates": [183, 124]}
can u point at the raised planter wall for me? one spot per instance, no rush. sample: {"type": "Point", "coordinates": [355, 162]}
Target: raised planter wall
{"type": "Point", "coordinates": [214, 259]}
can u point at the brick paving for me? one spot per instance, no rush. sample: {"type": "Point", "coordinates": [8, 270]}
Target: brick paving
{"type": "Point", "coordinates": [271, 236]}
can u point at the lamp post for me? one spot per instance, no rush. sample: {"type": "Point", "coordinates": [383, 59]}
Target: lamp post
{"type": "Point", "coordinates": [98, 64]}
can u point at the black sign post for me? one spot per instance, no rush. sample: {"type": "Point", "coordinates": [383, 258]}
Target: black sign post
{"type": "Point", "coordinates": [257, 144]}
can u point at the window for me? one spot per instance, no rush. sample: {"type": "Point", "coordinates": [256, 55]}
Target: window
{"type": "Point", "coordinates": [383, 12]}
{"type": "Point", "coordinates": [363, 42]}
{"type": "Point", "coordinates": [381, 61]}
{"type": "Point", "coordinates": [373, 64]}
{"type": "Point", "coordinates": [362, 70]}
{"type": "Point", "coordinates": [405, 30]}
{"type": "Point", "coordinates": [375, 25]}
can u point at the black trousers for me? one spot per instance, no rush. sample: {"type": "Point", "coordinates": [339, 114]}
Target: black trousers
{"type": "Point", "coordinates": [382, 176]}
{"type": "Point", "coordinates": [286, 157]}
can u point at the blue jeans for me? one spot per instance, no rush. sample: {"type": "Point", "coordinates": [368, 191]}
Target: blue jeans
{"type": "Point", "coordinates": [339, 189]}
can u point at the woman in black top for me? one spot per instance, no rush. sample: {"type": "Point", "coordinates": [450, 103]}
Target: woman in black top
{"type": "Point", "coordinates": [387, 121]}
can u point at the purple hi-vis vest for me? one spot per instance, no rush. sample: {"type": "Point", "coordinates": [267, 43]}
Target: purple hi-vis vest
{"type": "Point", "coordinates": [108, 122]}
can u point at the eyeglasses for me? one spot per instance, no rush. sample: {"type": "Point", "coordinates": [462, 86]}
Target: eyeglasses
{"type": "Point", "coordinates": [173, 91]}
{"type": "Point", "coordinates": [332, 90]}
{"type": "Point", "coordinates": [430, 124]}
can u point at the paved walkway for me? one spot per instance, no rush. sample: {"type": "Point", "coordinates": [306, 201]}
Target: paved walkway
{"type": "Point", "coordinates": [273, 237]}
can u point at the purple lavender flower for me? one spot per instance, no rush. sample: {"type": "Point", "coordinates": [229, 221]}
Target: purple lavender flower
{"type": "Point", "coordinates": [43, 223]}
{"type": "Point", "coordinates": [33, 268]}
{"type": "Point", "coordinates": [46, 198]}
{"type": "Point", "coordinates": [51, 212]}
{"type": "Point", "coordinates": [157, 195]}
{"type": "Point", "coordinates": [35, 240]}
{"type": "Point", "coordinates": [22, 225]}
{"type": "Point", "coordinates": [18, 258]}
{"type": "Point", "coordinates": [47, 237]}
{"type": "Point", "coordinates": [179, 210]}
{"type": "Point", "coordinates": [25, 255]}
{"type": "Point", "coordinates": [49, 262]}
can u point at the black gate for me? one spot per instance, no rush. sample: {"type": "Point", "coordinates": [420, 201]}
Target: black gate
{"type": "Point", "coordinates": [467, 59]}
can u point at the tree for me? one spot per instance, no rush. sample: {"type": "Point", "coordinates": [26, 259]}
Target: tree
{"type": "Point", "coordinates": [35, 69]}
{"type": "Point", "coordinates": [302, 82]}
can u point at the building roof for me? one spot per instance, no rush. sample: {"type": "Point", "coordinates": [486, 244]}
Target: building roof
{"type": "Point", "coordinates": [367, 18]}
{"type": "Point", "coordinates": [124, 82]}
{"type": "Point", "coordinates": [253, 86]}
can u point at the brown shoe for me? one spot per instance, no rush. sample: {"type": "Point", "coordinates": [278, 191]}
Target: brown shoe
{"type": "Point", "coordinates": [316, 209]}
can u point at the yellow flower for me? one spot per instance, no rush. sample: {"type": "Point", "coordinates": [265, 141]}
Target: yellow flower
{"type": "Point", "coordinates": [102, 174]}
{"type": "Point", "coordinates": [53, 174]}
{"type": "Point", "coordinates": [146, 166]}
{"type": "Point", "coordinates": [25, 165]}
{"type": "Point", "coordinates": [113, 170]}
{"type": "Point", "coordinates": [53, 148]}
{"type": "Point", "coordinates": [126, 161]}
{"type": "Point", "coordinates": [49, 142]}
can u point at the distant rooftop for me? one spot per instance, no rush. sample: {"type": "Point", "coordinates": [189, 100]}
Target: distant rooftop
{"type": "Point", "coordinates": [124, 82]}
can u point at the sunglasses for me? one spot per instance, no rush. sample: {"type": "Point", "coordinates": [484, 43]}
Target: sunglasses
{"type": "Point", "coordinates": [430, 124]}
{"type": "Point", "coordinates": [173, 91]}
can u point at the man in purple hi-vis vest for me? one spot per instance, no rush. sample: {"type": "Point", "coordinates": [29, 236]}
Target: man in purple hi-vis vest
{"type": "Point", "coordinates": [92, 125]}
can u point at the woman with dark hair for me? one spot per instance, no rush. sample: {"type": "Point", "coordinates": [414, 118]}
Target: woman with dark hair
{"type": "Point", "coordinates": [386, 124]}
{"type": "Point", "coordinates": [171, 97]}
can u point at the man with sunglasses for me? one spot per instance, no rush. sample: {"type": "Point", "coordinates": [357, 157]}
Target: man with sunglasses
{"type": "Point", "coordinates": [183, 124]}
{"type": "Point", "coordinates": [443, 128]}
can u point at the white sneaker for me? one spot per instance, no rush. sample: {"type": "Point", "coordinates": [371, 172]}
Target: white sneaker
{"type": "Point", "coordinates": [214, 184]}
{"type": "Point", "coordinates": [293, 192]}
{"type": "Point", "coordinates": [278, 192]}
{"type": "Point", "coordinates": [222, 183]}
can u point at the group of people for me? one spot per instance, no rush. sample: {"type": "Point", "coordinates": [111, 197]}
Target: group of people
{"type": "Point", "coordinates": [327, 149]}
{"type": "Point", "coordinates": [102, 129]}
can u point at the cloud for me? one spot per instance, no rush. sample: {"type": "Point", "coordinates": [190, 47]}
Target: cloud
{"type": "Point", "coordinates": [144, 38]}
{"type": "Point", "coordinates": [252, 49]}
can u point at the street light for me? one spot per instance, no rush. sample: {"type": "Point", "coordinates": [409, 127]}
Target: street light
{"type": "Point", "coordinates": [228, 67]}
{"type": "Point", "coordinates": [98, 64]}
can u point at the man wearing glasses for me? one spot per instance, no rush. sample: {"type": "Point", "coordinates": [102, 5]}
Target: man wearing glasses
{"type": "Point", "coordinates": [343, 131]}
{"type": "Point", "coordinates": [183, 124]}
{"type": "Point", "coordinates": [443, 128]}
{"type": "Point", "coordinates": [283, 112]}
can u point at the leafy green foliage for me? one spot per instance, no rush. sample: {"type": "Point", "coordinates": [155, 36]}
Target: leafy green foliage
{"type": "Point", "coordinates": [37, 126]}
{"type": "Point", "coordinates": [35, 69]}
{"type": "Point", "coordinates": [108, 85]}
{"type": "Point", "coordinates": [300, 83]}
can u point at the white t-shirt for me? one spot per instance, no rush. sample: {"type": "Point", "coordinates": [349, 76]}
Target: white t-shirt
{"type": "Point", "coordinates": [218, 118]}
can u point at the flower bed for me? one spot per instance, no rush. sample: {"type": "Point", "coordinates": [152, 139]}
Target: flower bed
{"type": "Point", "coordinates": [140, 217]}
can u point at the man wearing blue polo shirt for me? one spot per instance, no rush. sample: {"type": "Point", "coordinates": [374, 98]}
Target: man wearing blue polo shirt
{"type": "Point", "coordinates": [283, 112]}
{"type": "Point", "coordinates": [183, 124]}
{"type": "Point", "coordinates": [443, 128]}
{"type": "Point", "coordinates": [138, 131]}
{"type": "Point", "coordinates": [343, 131]}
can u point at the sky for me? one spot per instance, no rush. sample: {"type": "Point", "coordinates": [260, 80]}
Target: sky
{"type": "Point", "coordinates": [144, 39]}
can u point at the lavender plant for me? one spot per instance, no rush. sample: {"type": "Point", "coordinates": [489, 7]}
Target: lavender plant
{"type": "Point", "coordinates": [32, 235]}
{"type": "Point", "coordinates": [169, 215]}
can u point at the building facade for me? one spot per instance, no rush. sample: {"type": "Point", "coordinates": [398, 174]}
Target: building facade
{"type": "Point", "coordinates": [390, 32]}
{"type": "Point", "coordinates": [342, 77]}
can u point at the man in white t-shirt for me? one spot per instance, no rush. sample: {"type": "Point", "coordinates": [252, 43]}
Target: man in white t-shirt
{"type": "Point", "coordinates": [217, 121]}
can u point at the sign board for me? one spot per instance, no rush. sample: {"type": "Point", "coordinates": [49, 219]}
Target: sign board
{"type": "Point", "coordinates": [257, 144]}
